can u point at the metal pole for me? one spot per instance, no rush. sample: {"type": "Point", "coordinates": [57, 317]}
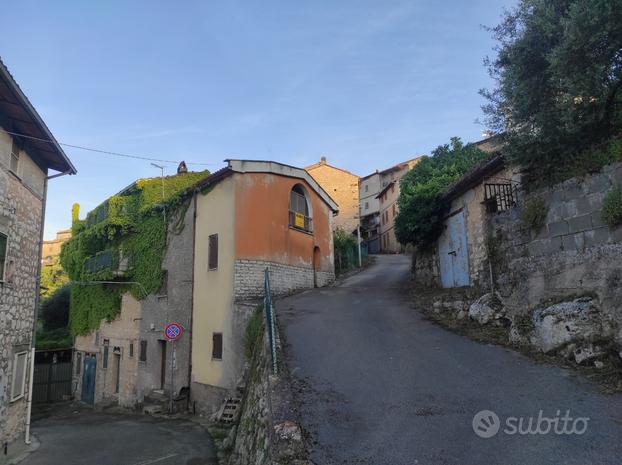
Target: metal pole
{"type": "Point", "coordinates": [172, 375]}
{"type": "Point", "coordinates": [358, 235]}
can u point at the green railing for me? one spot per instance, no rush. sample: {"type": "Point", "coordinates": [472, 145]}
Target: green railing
{"type": "Point", "coordinates": [348, 258]}
{"type": "Point", "coordinates": [270, 320]}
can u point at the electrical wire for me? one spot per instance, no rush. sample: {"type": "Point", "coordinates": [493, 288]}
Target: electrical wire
{"type": "Point", "coordinates": [107, 152]}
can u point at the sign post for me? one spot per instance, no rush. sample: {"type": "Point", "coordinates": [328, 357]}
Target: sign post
{"type": "Point", "coordinates": [172, 332]}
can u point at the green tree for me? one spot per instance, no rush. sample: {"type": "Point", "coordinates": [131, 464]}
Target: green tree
{"type": "Point", "coordinates": [54, 311]}
{"type": "Point", "coordinates": [558, 73]}
{"type": "Point", "coordinates": [421, 211]}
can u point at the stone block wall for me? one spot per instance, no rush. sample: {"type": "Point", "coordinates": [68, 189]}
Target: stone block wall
{"type": "Point", "coordinates": [20, 220]}
{"type": "Point", "coordinates": [284, 279]}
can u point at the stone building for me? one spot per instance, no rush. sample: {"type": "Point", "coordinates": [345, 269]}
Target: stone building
{"type": "Point", "coordinates": [241, 220]}
{"type": "Point", "coordinates": [343, 188]}
{"type": "Point", "coordinates": [378, 193]}
{"type": "Point", "coordinates": [50, 250]}
{"type": "Point", "coordinates": [25, 165]}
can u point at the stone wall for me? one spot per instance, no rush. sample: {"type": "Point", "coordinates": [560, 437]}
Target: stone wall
{"type": "Point", "coordinates": [20, 219]}
{"type": "Point", "coordinates": [284, 279]}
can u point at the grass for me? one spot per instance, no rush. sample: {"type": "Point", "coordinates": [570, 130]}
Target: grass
{"type": "Point", "coordinates": [254, 331]}
{"type": "Point", "coordinates": [612, 207]}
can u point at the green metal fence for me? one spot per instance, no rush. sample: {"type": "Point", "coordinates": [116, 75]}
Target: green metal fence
{"type": "Point", "coordinates": [348, 258]}
{"type": "Point", "coordinates": [270, 320]}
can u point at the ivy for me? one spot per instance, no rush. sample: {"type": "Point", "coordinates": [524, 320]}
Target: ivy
{"type": "Point", "coordinates": [122, 240]}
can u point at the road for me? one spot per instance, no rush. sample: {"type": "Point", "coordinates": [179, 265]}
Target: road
{"type": "Point", "coordinates": [379, 384]}
{"type": "Point", "coordinates": [78, 436]}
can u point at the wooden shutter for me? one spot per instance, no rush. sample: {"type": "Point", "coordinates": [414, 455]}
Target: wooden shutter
{"type": "Point", "coordinates": [213, 252]}
{"type": "Point", "coordinates": [217, 346]}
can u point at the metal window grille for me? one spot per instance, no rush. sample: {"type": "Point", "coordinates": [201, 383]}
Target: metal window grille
{"type": "Point", "coordinates": [499, 197]}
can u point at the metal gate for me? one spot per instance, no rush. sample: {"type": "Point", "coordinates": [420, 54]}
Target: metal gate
{"type": "Point", "coordinates": [51, 382]}
{"type": "Point", "coordinates": [88, 378]}
{"type": "Point", "coordinates": [453, 252]}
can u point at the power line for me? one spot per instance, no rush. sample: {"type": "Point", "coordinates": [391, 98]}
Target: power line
{"type": "Point", "coordinates": [107, 152]}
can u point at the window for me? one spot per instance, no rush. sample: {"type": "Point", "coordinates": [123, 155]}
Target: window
{"type": "Point", "coordinates": [217, 346]}
{"type": "Point", "coordinates": [4, 240]}
{"type": "Point", "coordinates": [299, 214]}
{"type": "Point", "coordinates": [78, 362]}
{"type": "Point", "coordinates": [19, 376]}
{"type": "Point", "coordinates": [393, 210]}
{"type": "Point", "coordinates": [366, 187]}
{"type": "Point", "coordinates": [392, 188]}
{"type": "Point", "coordinates": [143, 351]}
{"type": "Point", "coordinates": [366, 205]}
{"type": "Point", "coordinates": [106, 348]}
{"type": "Point", "coordinates": [14, 156]}
{"type": "Point", "coordinates": [131, 349]}
{"type": "Point", "coordinates": [212, 252]}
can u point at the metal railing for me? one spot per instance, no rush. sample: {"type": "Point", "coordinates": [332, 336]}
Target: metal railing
{"type": "Point", "coordinates": [299, 221]}
{"type": "Point", "coordinates": [270, 320]}
{"type": "Point", "coordinates": [499, 197]}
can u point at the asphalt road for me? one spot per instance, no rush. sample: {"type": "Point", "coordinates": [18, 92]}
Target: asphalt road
{"type": "Point", "coordinates": [379, 385]}
{"type": "Point", "coordinates": [76, 436]}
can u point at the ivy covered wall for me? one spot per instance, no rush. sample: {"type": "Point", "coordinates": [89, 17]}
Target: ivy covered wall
{"type": "Point", "coordinates": [123, 240]}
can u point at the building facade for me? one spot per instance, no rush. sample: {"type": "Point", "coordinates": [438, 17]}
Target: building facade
{"type": "Point", "coordinates": [272, 217]}
{"type": "Point", "coordinates": [378, 193]}
{"type": "Point", "coordinates": [343, 188]}
{"type": "Point", "coordinates": [50, 250]}
{"type": "Point", "coordinates": [24, 165]}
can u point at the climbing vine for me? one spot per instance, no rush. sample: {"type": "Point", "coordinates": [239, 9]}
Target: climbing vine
{"type": "Point", "coordinates": [123, 240]}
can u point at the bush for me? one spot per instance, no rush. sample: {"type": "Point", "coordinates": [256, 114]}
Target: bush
{"type": "Point", "coordinates": [612, 207]}
{"type": "Point", "coordinates": [534, 214]}
{"type": "Point", "coordinates": [59, 338]}
{"type": "Point", "coordinates": [346, 253]}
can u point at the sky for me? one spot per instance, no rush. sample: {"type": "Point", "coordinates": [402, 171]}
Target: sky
{"type": "Point", "coordinates": [365, 83]}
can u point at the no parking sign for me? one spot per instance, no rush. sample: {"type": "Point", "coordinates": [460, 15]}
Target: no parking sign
{"type": "Point", "coordinates": [172, 331]}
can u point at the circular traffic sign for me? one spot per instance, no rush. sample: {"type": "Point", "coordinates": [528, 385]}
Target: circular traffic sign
{"type": "Point", "coordinates": [172, 331]}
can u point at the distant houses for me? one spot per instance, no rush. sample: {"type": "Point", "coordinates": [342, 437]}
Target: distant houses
{"type": "Point", "coordinates": [224, 232]}
{"type": "Point", "coordinates": [25, 163]}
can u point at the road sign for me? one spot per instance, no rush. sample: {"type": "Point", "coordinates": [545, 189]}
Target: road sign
{"type": "Point", "coordinates": [172, 331]}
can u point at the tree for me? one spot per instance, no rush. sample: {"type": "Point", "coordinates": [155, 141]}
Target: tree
{"type": "Point", "coordinates": [558, 74]}
{"type": "Point", "coordinates": [421, 207]}
{"type": "Point", "coordinates": [54, 311]}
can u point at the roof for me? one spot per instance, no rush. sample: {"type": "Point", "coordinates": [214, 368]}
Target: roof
{"type": "Point", "coordinates": [266, 166]}
{"type": "Point", "coordinates": [397, 167]}
{"type": "Point", "coordinates": [384, 189]}
{"type": "Point", "coordinates": [17, 111]}
{"type": "Point", "coordinates": [486, 168]}
{"type": "Point", "coordinates": [323, 162]}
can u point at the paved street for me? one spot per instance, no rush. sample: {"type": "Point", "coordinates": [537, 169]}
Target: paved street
{"type": "Point", "coordinates": [88, 437]}
{"type": "Point", "coordinates": [381, 385]}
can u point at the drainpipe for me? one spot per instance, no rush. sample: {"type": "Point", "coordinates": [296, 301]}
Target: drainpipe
{"type": "Point", "coordinates": [37, 298]}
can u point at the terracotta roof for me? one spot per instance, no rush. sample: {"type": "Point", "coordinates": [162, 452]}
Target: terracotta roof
{"type": "Point", "coordinates": [24, 119]}
{"type": "Point", "coordinates": [324, 163]}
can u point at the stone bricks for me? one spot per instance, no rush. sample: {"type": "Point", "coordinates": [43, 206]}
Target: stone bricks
{"type": "Point", "coordinates": [558, 228]}
{"type": "Point", "coordinates": [580, 223]}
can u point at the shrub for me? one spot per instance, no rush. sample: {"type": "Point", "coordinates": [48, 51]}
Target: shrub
{"type": "Point", "coordinates": [254, 330]}
{"type": "Point", "coordinates": [534, 213]}
{"type": "Point", "coordinates": [612, 207]}
{"type": "Point", "coordinates": [54, 310]}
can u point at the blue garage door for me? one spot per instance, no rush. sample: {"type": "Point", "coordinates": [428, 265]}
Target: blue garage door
{"type": "Point", "coordinates": [453, 253]}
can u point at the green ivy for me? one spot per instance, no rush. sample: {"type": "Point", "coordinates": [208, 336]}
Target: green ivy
{"type": "Point", "coordinates": [534, 214]}
{"type": "Point", "coordinates": [128, 226]}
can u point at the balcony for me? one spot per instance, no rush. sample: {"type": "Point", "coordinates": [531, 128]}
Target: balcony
{"type": "Point", "coordinates": [109, 260]}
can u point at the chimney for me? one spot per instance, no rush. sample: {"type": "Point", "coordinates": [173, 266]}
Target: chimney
{"type": "Point", "coordinates": [182, 168]}
{"type": "Point", "coordinates": [323, 160]}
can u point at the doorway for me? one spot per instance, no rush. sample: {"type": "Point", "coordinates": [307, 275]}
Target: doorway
{"type": "Point", "coordinates": [88, 378]}
{"type": "Point", "coordinates": [316, 264]}
{"type": "Point", "coordinates": [163, 363]}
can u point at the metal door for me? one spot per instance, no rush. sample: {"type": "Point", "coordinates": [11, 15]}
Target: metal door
{"type": "Point", "coordinates": [88, 379]}
{"type": "Point", "coordinates": [453, 252]}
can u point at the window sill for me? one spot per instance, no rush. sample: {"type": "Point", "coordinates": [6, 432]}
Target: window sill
{"type": "Point", "coordinates": [216, 359]}
{"type": "Point", "coordinates": [309, 233]}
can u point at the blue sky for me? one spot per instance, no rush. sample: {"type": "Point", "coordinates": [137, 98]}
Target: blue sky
{"type": "Point", "coordinates": [365, 83]}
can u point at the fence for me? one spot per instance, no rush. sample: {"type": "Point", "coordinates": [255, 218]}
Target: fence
{"type": "Point", "coordinates": [52, 376]}
{"type": "Point", "coordinates": [347, 257]}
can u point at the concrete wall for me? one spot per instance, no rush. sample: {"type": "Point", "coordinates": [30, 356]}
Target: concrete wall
{"type": "Point", "coordinates": [343, 187]}
{"type": "Point", "coordinates": [20, 218]}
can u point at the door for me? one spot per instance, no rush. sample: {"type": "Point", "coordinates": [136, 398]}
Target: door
{"type": "Point", "coordinates": [316, 264]}
{"type": "Point", "coordinates": [163, 364]}
{"type": "Point", "coordinates": [453, 252]}
{"type": "Point", "coordinates": [88, 378]}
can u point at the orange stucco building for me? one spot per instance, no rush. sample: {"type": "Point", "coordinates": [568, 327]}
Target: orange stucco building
{"type": "Point", "coordinates": [250, 217]}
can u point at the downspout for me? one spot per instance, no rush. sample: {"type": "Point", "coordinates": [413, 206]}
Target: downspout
{"type": "Point", "coordinates": [37, 298]}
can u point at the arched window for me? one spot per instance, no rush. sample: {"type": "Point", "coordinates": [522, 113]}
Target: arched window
{"type": "Point", "coordinates": [300, 209]}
